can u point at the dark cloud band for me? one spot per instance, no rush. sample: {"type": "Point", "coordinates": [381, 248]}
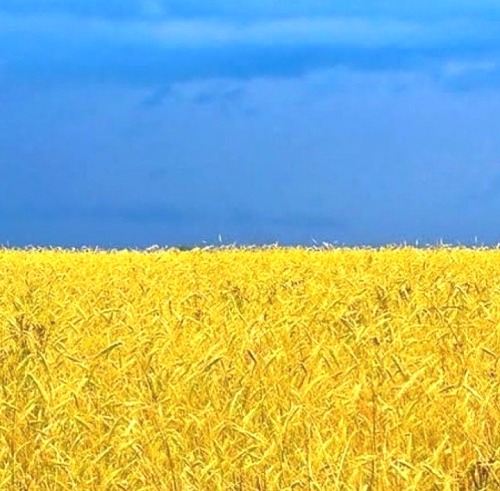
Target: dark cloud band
{"type": "Point", "coordinates": [50, 50]}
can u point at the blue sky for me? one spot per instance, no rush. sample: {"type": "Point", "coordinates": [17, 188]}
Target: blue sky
{"type": "Point", "coordinates": [127, 123]}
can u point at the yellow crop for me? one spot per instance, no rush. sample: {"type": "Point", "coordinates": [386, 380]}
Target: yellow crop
{"type": "Point", "coordinates": [273, 369]}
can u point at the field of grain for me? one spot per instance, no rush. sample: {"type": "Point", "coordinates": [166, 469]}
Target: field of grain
{"type": "Point", "coordinates": [234, 369]}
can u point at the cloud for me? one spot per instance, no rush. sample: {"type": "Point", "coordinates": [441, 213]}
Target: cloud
{"type": "Point", "coordinates": [466, 75]}
{"type": "Point", "coordinates": [92, 8]}
{"type": "Point", "coordinates": [486, 193]}
{"type": "Point", "coordinates": [340, 31]}
{"type": "Point", "coordinates": [291, 219]}
{"type": "Point", "coordinates": [157, 97]}
{"type": "Point", "coordinates": [223, 96]}
{"type": "Point", "coordinates": [454, 68]}
{"type": "Point", "coordinates": [144, 214]}
{"type": "Point", "coordinates": [52, 49]}
{"type": "Point", "coordinates": [165, 214]}
{"type": "Point", "coordinates": [255, 9]}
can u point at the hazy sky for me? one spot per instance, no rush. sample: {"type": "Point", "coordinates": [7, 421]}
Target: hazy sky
{"type": "Point", "coordinates": [127, 123]}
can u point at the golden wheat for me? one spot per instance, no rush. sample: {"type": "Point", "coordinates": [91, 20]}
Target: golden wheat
{"type": "Point", "coordinates": [276, 369]}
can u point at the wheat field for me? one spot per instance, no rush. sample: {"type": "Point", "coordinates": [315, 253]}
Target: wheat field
{"type": "Point", "coordinates": [250, 369]}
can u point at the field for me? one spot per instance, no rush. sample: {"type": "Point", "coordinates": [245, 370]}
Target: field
{"type": "Point", "coordinates": [248, 369]}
